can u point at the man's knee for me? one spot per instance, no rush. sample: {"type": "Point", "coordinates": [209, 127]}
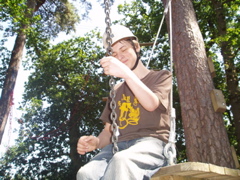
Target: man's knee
{"type": "Point", "coordinates": [83, 173]}
{"type": "Point", "coordinates": [90, 171]}
{"type": "Point", "coordinates": [120, 158]}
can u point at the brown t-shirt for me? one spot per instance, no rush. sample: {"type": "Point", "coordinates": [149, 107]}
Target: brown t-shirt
{"type": "Point", "coordinates": [133, 120]}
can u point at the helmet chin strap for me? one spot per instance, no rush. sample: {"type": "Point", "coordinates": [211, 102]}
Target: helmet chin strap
{"type": "Point", "coordinates": [138, 56]}
{"type": "Point", "coordinates": [136, 63]}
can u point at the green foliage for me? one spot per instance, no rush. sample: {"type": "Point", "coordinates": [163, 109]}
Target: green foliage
{"type": "Point", "coordinates": [45, 127]}
{"type": "Point", "coordinates": [58, 16]}
{"type": "Point", "coordinates": [221, 35]}
{"type": "Point", "coordinates": [4, 54]}
{"type": "Point", "coordinates": [66, 18]}
{"type": "Point", "coordinates": [63, 93]}
{"type": "Point", "coordinates": [208, 25]}
{"type": "Point", "coordinates": [51, 18]}
{"type": "Point", "coordinates": [13, 11]}
{"type": "Point", "coordinates": [54, 17]}
{"type": "Point", "coordinates": [143, 18]}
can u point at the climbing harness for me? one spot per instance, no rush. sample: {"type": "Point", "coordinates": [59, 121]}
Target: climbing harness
{"type": "Point", "coordinates": [112, 82]}
{"type": "Point", "coordinates": [169, 150]}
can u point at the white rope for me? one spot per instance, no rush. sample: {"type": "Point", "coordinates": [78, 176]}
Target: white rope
{"type": "Point", "coordinates": [159, 29]}
{"type": "Point", "coordinates": [169, 150]}
{"type": "Point", "coordinates": [154, 44]}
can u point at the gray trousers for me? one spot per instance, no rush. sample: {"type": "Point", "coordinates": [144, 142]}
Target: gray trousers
{"type": "Point", "coordinates": [137, 159]}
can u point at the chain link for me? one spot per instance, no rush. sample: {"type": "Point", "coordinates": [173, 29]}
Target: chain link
{"type": "Point", "coordinates": [108, 28]}
{"type": "Point", "coordinates": [112, 82]}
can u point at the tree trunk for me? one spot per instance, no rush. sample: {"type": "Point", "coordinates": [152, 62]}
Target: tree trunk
{"type": "Point", "coordinates": [74, 135]}
{"type": "Point", "coordinates": [10, 81]}
{"type": "Point", "coordinates": [12, 71]}
{"type": "Point", "coordinates": [230, 69]}
{"type": "Point", "coordinates": [205, 133]}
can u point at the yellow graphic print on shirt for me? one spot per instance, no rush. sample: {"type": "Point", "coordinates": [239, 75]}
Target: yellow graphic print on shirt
{"type": "Point", "coordinates": [128, 114]}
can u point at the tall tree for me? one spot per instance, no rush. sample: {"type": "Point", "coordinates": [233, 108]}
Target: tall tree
{"type": "Point", "coordinates": [63, 101]}
{"type": "Point", "coordinates": [205, 133]}
{"type": "Point", "coordinates": [194, 80]}
{"type": "Point", "coordinates": [223, 31]}
{"type": "Point", "coordinates": [22, 15]}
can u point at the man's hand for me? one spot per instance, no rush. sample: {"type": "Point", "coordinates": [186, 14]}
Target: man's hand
{"type": "Point", "coordinates": [114, 67]}
{"type": "Point", "coordinates": [86, 144]}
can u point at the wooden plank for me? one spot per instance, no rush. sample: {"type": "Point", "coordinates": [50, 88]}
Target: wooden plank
{"type": "Point", "coordinates": [147, 44]}
{"type": "Point", "coordinates": [218, 101]}
{"type": "Point", "coordinates": [205, 175]}
{"type": "Point", "coordinates": [235, 158]}
{"type": "Point", "coordinates": [231, 172]}
{"type": "Point", "coordinates": [173, 178]}
{"type": "Point", "coordinates": [196, 171]}
{"type": "Point", "coordinates": [211, 67]}
{"type": "Point", "coordinates": [187, 169]}
{"type": "Point", "coordinates": [104, 98]}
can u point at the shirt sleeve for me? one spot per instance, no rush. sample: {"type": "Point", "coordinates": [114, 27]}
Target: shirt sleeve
{"type": "Point", "coordinates": [162, 88]}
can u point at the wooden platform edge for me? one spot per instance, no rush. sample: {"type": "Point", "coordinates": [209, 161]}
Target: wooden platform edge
{"type": "Point", "coordinates": [196, 170]}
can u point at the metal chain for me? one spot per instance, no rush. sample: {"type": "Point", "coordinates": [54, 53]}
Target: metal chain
{"type": "Point", "coordinates": [112, 82]}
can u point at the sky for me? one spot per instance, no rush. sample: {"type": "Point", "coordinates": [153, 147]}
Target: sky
{"type": "Point", "coordinates": [96, 19]}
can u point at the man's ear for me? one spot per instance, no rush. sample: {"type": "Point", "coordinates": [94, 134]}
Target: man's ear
{"type": "Point", "coordinates": [137, 45]}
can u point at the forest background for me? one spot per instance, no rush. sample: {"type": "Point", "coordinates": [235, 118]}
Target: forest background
{"type": "Point", "coordinates": [63, 95]}
{"type": "Point", "coordinates": [86, 24]}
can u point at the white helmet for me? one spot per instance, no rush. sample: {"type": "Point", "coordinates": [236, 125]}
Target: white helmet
{"type": "Point", "coordinates": [118, 32]}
